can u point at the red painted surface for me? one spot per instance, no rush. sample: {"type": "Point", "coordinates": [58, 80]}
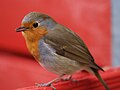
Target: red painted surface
{"type": "Point", "coordinates": [86, 82]}
{"type": "Point", "coordinates": [90, 19]}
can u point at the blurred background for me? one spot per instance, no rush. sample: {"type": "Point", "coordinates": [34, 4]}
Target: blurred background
{"type": "Point", "coordinates": [95, 21]}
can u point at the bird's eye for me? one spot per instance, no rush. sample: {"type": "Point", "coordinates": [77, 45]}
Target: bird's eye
{"type": "Point", "coordinates": [35, 24]}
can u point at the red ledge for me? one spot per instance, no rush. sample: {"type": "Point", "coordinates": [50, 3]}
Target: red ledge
{"type": "Point", "coordinates": [85, 81]}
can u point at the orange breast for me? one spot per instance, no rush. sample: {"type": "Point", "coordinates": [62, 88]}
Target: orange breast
{"type": "Point", "coordinates": [33, 48]}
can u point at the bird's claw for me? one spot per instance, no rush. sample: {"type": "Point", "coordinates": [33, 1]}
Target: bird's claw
{"type": "Point", "coordinates": [45, 85]}
{"type": "Point", "coordinates": [42, 84]}
{"type": "Point", "coordinates": [67, 78]}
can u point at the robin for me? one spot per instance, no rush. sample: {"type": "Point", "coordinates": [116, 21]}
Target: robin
{"type": "Point", "coordinates": [56, 47]}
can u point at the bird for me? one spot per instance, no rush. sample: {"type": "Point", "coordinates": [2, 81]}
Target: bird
{"type": "Point", "coordinates": [57, 48]}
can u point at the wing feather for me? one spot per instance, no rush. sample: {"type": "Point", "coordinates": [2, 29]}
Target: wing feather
{"type": "Point", "coordinates": [68, 44]}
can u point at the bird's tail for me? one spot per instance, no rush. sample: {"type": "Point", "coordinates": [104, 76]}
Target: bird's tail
{"type": "Point", "coordinates": [100, 79]}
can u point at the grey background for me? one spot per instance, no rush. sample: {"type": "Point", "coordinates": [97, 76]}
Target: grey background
{"type": "Point", "coordinates": [115, 32]}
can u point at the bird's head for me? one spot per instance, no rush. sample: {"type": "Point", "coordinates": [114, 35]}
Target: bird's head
{"type": "Point", "coordinates": [35, 25]}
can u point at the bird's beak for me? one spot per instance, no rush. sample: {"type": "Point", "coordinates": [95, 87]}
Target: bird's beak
{"type": "Point", "coordinates": [21, 29]}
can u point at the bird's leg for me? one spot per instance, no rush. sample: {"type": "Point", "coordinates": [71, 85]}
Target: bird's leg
{"type": "Point", "coordinates": [69, 78]}
{"type": "Point", "coordinates": [49, 83]}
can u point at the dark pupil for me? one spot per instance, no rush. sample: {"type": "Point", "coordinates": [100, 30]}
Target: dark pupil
{"type": "Point", "coordinates": [35, 25]}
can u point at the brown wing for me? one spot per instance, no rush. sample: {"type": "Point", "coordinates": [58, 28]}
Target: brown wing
{"type": "Point", "coordinates": [68, 44]}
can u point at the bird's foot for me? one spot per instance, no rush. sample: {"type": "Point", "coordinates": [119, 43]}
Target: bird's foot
{"type": "Point", "coordinates": [49, 84]}
{"type": "Point", "coordinates": [69, 78]}
{"type": "Point", "coordinates": [45, 85]}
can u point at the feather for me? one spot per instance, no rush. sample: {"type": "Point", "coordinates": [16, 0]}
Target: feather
{"type": "Point", "coordinates": [66, 43]}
